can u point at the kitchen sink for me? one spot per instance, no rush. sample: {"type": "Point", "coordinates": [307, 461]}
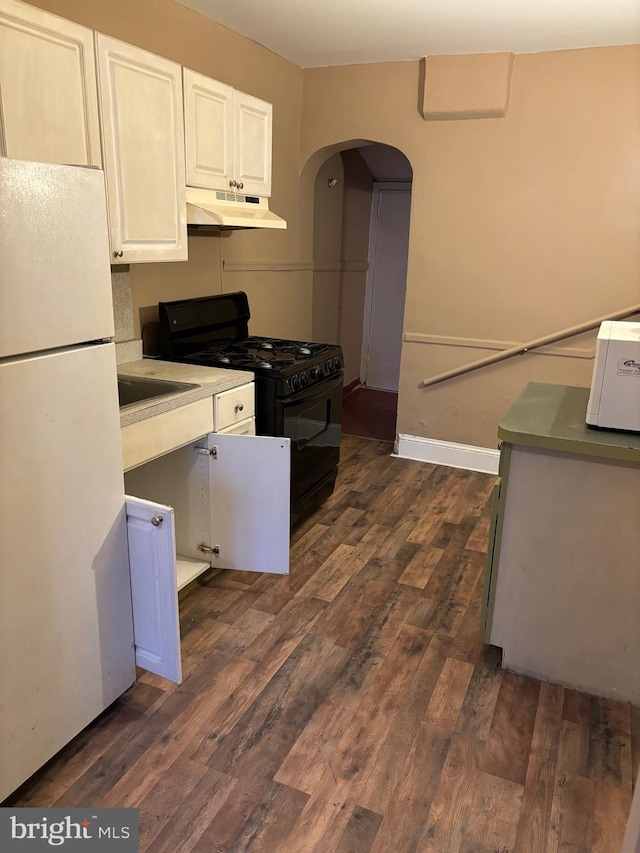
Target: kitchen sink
{"type": "Point", "coordinates": [137, 389]}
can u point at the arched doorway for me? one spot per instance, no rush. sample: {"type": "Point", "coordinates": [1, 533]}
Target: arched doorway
{"type": "Point", "coordinates": [361, 207]}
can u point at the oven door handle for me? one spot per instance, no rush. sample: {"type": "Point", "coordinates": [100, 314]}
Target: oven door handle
{"type": "Point", "coordinates": [322, 389]}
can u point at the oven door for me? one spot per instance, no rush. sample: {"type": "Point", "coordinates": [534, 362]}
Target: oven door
{"type": "Point", "coordinates": [312, 420]}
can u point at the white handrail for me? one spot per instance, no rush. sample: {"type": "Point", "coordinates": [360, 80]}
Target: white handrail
{"type": "Point", "coordinates": [536, 343]}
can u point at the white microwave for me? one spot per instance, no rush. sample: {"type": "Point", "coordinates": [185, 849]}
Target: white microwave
{"type": "Point", "coordinates": [614, 402]}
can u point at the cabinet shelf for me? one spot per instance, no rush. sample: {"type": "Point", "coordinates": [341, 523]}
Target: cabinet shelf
{"type": "Point", "coordinates": [188, 569]}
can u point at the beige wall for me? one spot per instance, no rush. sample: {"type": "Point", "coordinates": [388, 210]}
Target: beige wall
{"type": "Point", "coordinates": [264, 263]}
{"type": "Point", "coordinates": [520, 226]}
{"type": "Point", "coordinates": [327, 250]}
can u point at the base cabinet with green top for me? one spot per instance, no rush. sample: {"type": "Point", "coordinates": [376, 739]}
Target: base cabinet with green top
{"type": "Point", "coordinates": [562, 589]}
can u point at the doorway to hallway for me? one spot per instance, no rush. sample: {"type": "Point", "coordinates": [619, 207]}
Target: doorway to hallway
{"type": "Point", "coordinates": [362, 200]}
{"type": "Point", "coordinates": [368, 413]}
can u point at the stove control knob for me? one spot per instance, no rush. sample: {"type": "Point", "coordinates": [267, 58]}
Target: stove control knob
{"type": "Point", "coordinates": [304, 380]}
{"type": "Point", "coordinates": [295, 383]}
{"type": "Point", "coordinates": [316, 373]}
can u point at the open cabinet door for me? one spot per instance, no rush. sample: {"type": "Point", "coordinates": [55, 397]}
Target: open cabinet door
{"type": "Point", "coordinates": [154, 591]}
{"type": "Point", "coordinates": [249, 478]}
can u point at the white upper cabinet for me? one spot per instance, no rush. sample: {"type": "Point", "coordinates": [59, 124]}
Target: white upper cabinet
{"type": "Point", "coordinates": [142, 128]}
{"type": "Point", "coordinates": [48, 97]}
{"type": "Point", "coordinates": [228, 137]}
{"type": "Point", "coordinates": [252, 147]}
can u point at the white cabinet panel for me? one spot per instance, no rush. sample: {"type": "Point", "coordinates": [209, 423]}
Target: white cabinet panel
{"type": "Point", "coordinates": [208, 106]}
{"type": "Point", "coordinates": [249, 481]}
{"type": "Point", "coordinates": [146, 440]}
{"type": "Point", "coordinates": [48, 94]}
{"type": "Point", "coordinates": [179, 479]}
{"type": "Point", "coordinates": [154, 590]}
{"type": "Point", "coordinates": [143, 142]}
{"type": "Point", "coordinates": [253, 119]}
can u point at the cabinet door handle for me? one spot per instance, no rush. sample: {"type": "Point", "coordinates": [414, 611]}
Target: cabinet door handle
{"type": "Point", "coordinates": [118, 254]}
{"type": "Point", "coordinates": [157, 520]}
{"type": "Point", "coordinates": [240, 185]}
{"type": "Point", "coordinates": [239, 408]}
{"type": "Point", "coordinates": [232, 183]}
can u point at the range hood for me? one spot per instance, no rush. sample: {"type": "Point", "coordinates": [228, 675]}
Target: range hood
{"type": "Point", "coordinates": [229, 210]}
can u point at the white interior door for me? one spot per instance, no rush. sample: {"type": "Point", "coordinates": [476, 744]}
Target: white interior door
{"type": "Point", "coordinates": [249, 479]}
{"type": "Point", "coordinates": [386, 286]}
{"type": "Point", "coordinates": [154, 590]}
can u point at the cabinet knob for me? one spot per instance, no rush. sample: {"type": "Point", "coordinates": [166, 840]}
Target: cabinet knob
{"type": "Point", "coordinates": [118, 254]}
{"type": "Point", "coordinates": [240, 185]}
{"type": "Point", "coordinates": [239, 408]}
{"type": "Point", "coordinates": [232, 183]}
{"type": "Point", "coordinates": [157, 520]}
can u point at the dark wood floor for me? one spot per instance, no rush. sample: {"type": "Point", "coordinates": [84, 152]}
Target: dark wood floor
{"type": "Point", "coordinates": [369, 413]}
{"type": "Point", "coordinates": [352, 707]}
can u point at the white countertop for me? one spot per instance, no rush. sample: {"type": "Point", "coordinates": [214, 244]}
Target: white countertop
{"type": "Point", "coordinates": [210, 381]}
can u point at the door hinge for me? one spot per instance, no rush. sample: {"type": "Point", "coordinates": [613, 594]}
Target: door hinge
{"type": "Point", "coordinates": [206, 451]}
{"type": "Point", "coordinates": [207, 549]}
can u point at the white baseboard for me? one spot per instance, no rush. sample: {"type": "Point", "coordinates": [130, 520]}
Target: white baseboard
{"type": "Point", "coordinates": [449, 453]}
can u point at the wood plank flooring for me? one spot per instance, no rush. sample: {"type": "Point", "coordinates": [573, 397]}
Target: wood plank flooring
{"type": "Point", "coordinates": [352, 706]}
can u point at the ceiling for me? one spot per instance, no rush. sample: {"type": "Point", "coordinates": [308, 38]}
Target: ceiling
{"type": "Point", "coordinates": [344, 32]}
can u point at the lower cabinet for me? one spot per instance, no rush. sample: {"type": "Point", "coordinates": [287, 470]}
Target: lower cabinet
{"type": "Point", "coordinates": [221, 502]}
{"type": "Point", "coordinates": [562, 591]}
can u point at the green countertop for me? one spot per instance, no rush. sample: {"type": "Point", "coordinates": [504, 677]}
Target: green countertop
{"type": "Point", "coordinates": [553, 417]}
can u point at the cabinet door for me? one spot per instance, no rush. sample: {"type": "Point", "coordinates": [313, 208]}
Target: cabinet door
{"type": "Point", "coordinates": [48, 96]}
{"type": "Point", "coordinates": [249, 483]}
{"type": "Point", "coordinates": [253, 119]}
{"type": "Point", "coordinates": [154, 591]}
{"type": "Point", "coordinates": [143, 144]}
{"type": "Point", "coordinates": [208, 112]}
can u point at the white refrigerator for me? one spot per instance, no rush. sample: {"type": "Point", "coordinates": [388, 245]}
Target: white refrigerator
{"type": "Point", "coordinates": [66, 633]}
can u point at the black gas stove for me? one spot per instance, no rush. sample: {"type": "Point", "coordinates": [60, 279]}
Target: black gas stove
{"type": "Point", "coordinates": [298, 383]}
{"type": "Point", "coordinates": [294, 364]}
